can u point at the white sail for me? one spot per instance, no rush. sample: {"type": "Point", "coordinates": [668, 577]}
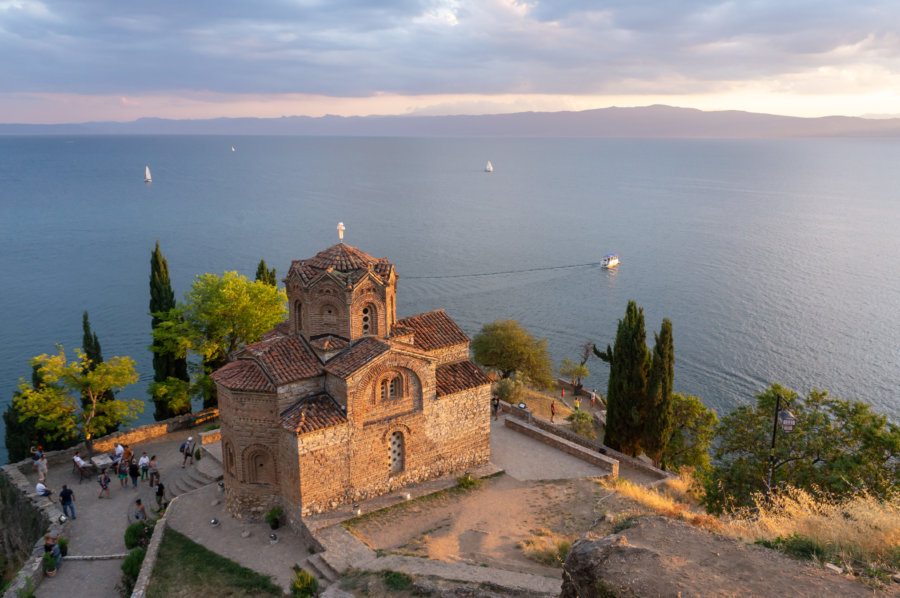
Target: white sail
{"type": "Point", "coordinates": [489, 167]}
{"type": "Point", "coordinates": [232, 148]}
{"type": "Point", "coordinates": [147, 178]}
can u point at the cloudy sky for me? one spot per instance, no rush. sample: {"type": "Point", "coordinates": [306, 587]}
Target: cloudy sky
{"type": "Point", "coordinates": [83, 60]}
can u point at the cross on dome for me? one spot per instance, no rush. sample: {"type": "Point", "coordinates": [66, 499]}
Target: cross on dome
{"type": "Point", "coordinates": [340, 229]}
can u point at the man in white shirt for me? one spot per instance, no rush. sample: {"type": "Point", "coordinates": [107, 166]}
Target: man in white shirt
{"type": "Point", "coordinates": [144, 464]}
{"type": "Point", "coordinates": [42, 490]}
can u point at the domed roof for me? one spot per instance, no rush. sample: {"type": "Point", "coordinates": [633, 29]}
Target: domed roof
{"type": "Point", "coordinates": [343, 259]}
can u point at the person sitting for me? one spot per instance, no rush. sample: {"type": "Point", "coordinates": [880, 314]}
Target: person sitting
{"type": "Point", "coordinates": [117, 455]}
{"type": "Point", "coordinates": [42, 490]}
{"type": "Point", "coordinates": [83, 467]}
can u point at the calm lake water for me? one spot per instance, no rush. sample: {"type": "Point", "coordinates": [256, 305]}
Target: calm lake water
{"type": "Point", "coordinates": [776, 260]}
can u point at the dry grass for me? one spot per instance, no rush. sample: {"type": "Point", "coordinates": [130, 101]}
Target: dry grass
{"type": "Point", "coordinates": [663, 503]}
{"type": "Point", "coordinates": [546, 548]}
{"type": "Point", "coordinates": [858, 531]}
{"type": "Point", "coordinates": [539, 403]}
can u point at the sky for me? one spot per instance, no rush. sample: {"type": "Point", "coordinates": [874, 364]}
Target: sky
{"type": "Point", "coordinates": [65, 61]}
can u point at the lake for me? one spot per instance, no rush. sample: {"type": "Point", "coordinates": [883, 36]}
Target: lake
{"type": "Point", "coordinates": [776, 260]}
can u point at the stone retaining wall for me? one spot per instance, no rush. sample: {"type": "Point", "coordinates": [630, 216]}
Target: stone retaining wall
{"type": "Point", "coordinates": [566, 446]}
{"type": "Point", "coordinates": [143, 580]}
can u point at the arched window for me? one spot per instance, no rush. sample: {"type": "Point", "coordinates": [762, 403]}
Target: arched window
{"type": "Point", "coordinates": [229, 458]}
{"type": "Point", "coordinates": [397, 447]}
{"type": "Point", "coordinates": [298, 315]}
{"type": "Point", "coordinates": [391, 387]}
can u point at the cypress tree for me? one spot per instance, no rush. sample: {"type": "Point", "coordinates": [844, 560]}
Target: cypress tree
{"type": "Point", "coordinates": [658, 417]}
{"type": "Point", "coordinates": [91, 347]}
{"type": "Point", "coordinates": [265, 275]}
{"type": "Point", "coordinates": [629, 367]}
{"type": "Point", "coordinates": [162, 299]}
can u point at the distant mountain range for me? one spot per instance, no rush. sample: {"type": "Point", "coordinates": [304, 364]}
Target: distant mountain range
{"type": "Point", "coordinates": [644, 122]}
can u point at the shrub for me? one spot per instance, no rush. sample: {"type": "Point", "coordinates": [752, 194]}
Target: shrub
{"type": "Point", "coordinates": [131, 568]}
{"type": "Point", "coordinates": [509, 390]}
{"type": "Point", "coordinates": [138, 534]}
{"type": "Point", "coordinates": [197, 455]}
{"type": "Point", "coordinates": [396, 581]}
{"type": "Point", "coordinates": [304, 585]}
{"type": "Point", "coordinates": [211, 427]}
{"type": "Point", "coordinates": [546, 548]}
{"type": "Point", "coordinates": [466, 481]}
{"type": "Point", "coordinates": [50, 562]}
{"type": "Point", "coordinates": [273, 515]}
{"type": "Point", "coordinates": [797, 545]}
{"type": "Point", "coordinates": [583, 424]}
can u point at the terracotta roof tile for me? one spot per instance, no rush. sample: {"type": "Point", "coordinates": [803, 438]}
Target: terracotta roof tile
{"type": "Point", "coordinates": [313, 413]}
{"type": "Point", "coordinates": [284, 358]}
{"type": "Point", "coordinates": [328, 343]}
{"type": "Point", "coordinates": [434, 330]}
{"type": "Point", "coordinates": [242, 375]}
{"type": "Point", "coordinates": [356, 357]}
{"type": "Point", "coordinates": [458, 376]}
{"type": "Point", "coordinates": [351, 263]}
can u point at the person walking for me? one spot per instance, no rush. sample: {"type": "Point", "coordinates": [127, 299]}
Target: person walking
{"type": "Point", "coordinates": [154, 471]}
{"type": "Point", "coordinates": [495, 406]}
{"type": "Point", "coordinates": [103, 480]}
{"type": "Point", "coordinates": [67, 500]}
{"type": "Point", "coordinates": [122, 471]}
{"type": "Point", "coordinates": [133, 472]}
{"type": "Point", "coordinates": [140, 513]}
{"type": "Point", "coordinates": [144, 464]}
{"type": "Point", "coordinates": [160, 495]}
{"type": "Point", "coordinates": [552, 411]}
{"type": "Point", "coordinates": [187, 448]}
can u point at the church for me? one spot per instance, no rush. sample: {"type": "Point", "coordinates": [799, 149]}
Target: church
{"type": "Point", "coordinates": [343, 401]}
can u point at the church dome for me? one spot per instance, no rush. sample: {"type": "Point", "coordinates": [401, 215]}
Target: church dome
{"type": "Point", "coordinates": [342, 259]}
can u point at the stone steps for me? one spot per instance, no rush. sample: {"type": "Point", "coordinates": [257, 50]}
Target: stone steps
{"type": "Point", "coordinates": [321, 569]}
{"type": "Point", "coordinates": [190, 479]}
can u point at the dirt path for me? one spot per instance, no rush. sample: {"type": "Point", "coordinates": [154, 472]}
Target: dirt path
{"type": "Point", "coordinates": [485, 526]}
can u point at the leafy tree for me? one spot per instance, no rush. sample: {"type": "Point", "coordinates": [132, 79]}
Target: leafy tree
{"type": "Point", "coordinates": [575, 372]}
{"type": "Point", "coordinates": [509, 390]}
{"type": "Point", "coordinates": [263, 274]}
{"type": "Point", "coordinates": [629, 367]}
{"type": "Point", "coordinates": [658, 405]}
{"type": "Point", "coordinates": [690, 436]}
{"type": "Point", "coordinates": [56, 411]}
{"type": "Point", "coordinates": [837, 447]}
{"type": "Point", "coordinates": [220, 315]}
{"type": "Point", "coordinates": [21, 432]}
{"type": "Point", "coordinates": [169, 369]}
{"type": "Point", "coordinates": [507, 348]}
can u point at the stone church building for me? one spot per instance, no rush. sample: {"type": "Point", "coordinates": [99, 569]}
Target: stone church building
{"type": "Point", "coordinates": [342, 401]}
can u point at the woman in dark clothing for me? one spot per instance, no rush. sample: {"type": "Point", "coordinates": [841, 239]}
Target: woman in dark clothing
{"type": "Point", "coordinates": [133, 472]}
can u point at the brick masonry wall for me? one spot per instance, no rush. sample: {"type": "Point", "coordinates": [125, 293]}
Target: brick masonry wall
{"type": "Point", "coordinates": [291, 393]}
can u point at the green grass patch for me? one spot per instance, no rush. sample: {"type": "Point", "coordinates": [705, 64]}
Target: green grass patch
{"type": "Point", "coordinates": [185, 568]}
{"type": "Point", "coordinates": [798, 546]}
{"type": "Point", "coordinates": [396, 581]}
{"type": "Point", "coordinates": [624, 524]}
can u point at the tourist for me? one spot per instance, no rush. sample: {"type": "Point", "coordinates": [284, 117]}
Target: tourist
{"type": "Point", "coordinates": [552, 411]}
{"type": "Point", "coordinates": [144, 464]}
{"type": "Point", "coordinates": [562, 393]}
{"type": "Point", "coordinates": [160, 494]}
{"type": "Point", "coordinates": [127, 453]}
{"type": "Point", "coordinates": [83, 466]}
{"type": "Point", "coordinates": [133, 472]}
{"type": "Point", "coordinates": [154, 471]}
{"type": "Point", "coordinates": [116, 457]}
{"type": "Point", "coordinates": [41, 466]}
{"type": "Point", "coordinates": [42, 490]}
{"type": "Point", "coordinates": [103, 480]}
{"type": "Point", "coordinates": [67, 500]}
{"type": "Point", "coordinates": [122, 470]}
{"type": "Point", "coordinates": [140, 513]}
{"type": "Point", "coordinates": [495, 406]}
{"type": "Point", "coordinates": [36, 452]}
{"type": "Point", "coordinates": [577, 404]}
{"type": "Point", "coordinates": [593, 397]}
{"type": "Point", "coordinates": [51, 545]}
{"type": "Point", "coordinates": [188, 450]}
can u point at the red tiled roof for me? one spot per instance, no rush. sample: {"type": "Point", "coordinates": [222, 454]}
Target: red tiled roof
{"type": "Point", "coordinates": [313, 413]}
{"type": "Point", "coordinates": [343, 259]}
{"type": "Point", "coordinates": [242, 375]}
{"type": "Point", "coordinates": [458, 376]}
{"type": "Point", "coordinates": [434, 330]}
{"type": "Point", "coordinates": [284, 358]}
{"type": "Point", "coordinates": [328, 343]}
{"type": "Point", "coordinates": [356, 357]}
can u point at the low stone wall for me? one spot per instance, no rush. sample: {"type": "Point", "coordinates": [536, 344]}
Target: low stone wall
{"type": "Point", "coordinates": [143, 580]}
{"type": "Point", "coordinates": [211, 436]}
{"type": "Point", "coordinates": [601, 461]}
{"type": "Point", "coordinates": [26, 517]}
{"type": "Point", "coordinates": [587, 443]}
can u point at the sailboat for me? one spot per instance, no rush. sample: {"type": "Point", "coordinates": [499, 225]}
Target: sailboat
{"type": "Point", "coordinates": [489, 167]}
{"type": "Point", "coordinates": [147, 178]}
{"type": "Point", "coordinates": [232, 148]}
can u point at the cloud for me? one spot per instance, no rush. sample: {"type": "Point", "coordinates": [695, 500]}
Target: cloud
{"type": "Point", "coordinates": [356, 48]}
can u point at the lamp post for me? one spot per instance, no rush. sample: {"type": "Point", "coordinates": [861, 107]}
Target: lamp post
{"type": "Point", "coordinates": [787, 421]}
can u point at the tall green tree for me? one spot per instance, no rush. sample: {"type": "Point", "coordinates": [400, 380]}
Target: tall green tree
{"type": "Point", "coordinates": [506, 347]}
{"type": "Point", "coordinates": [657, 417]}
{"type": "Point", "coordinates": [691, 434]}
{"type": "Point", "coordinates": [219, 316]}
{"type": "Point", "coordinates": [94, 353]}
{"type": "Point", "coordinates": [21, 432]}
{"type": "Point", "coordinates": [629, 367]}
{"type": "Point", "coordinates": [837, 447]}
{"type": "Point", "coordinates": [55, 406]}
{"type": "Point", "coordinates": [170, 372]}
{"type": "Point", "coordinates": [263, 274]}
